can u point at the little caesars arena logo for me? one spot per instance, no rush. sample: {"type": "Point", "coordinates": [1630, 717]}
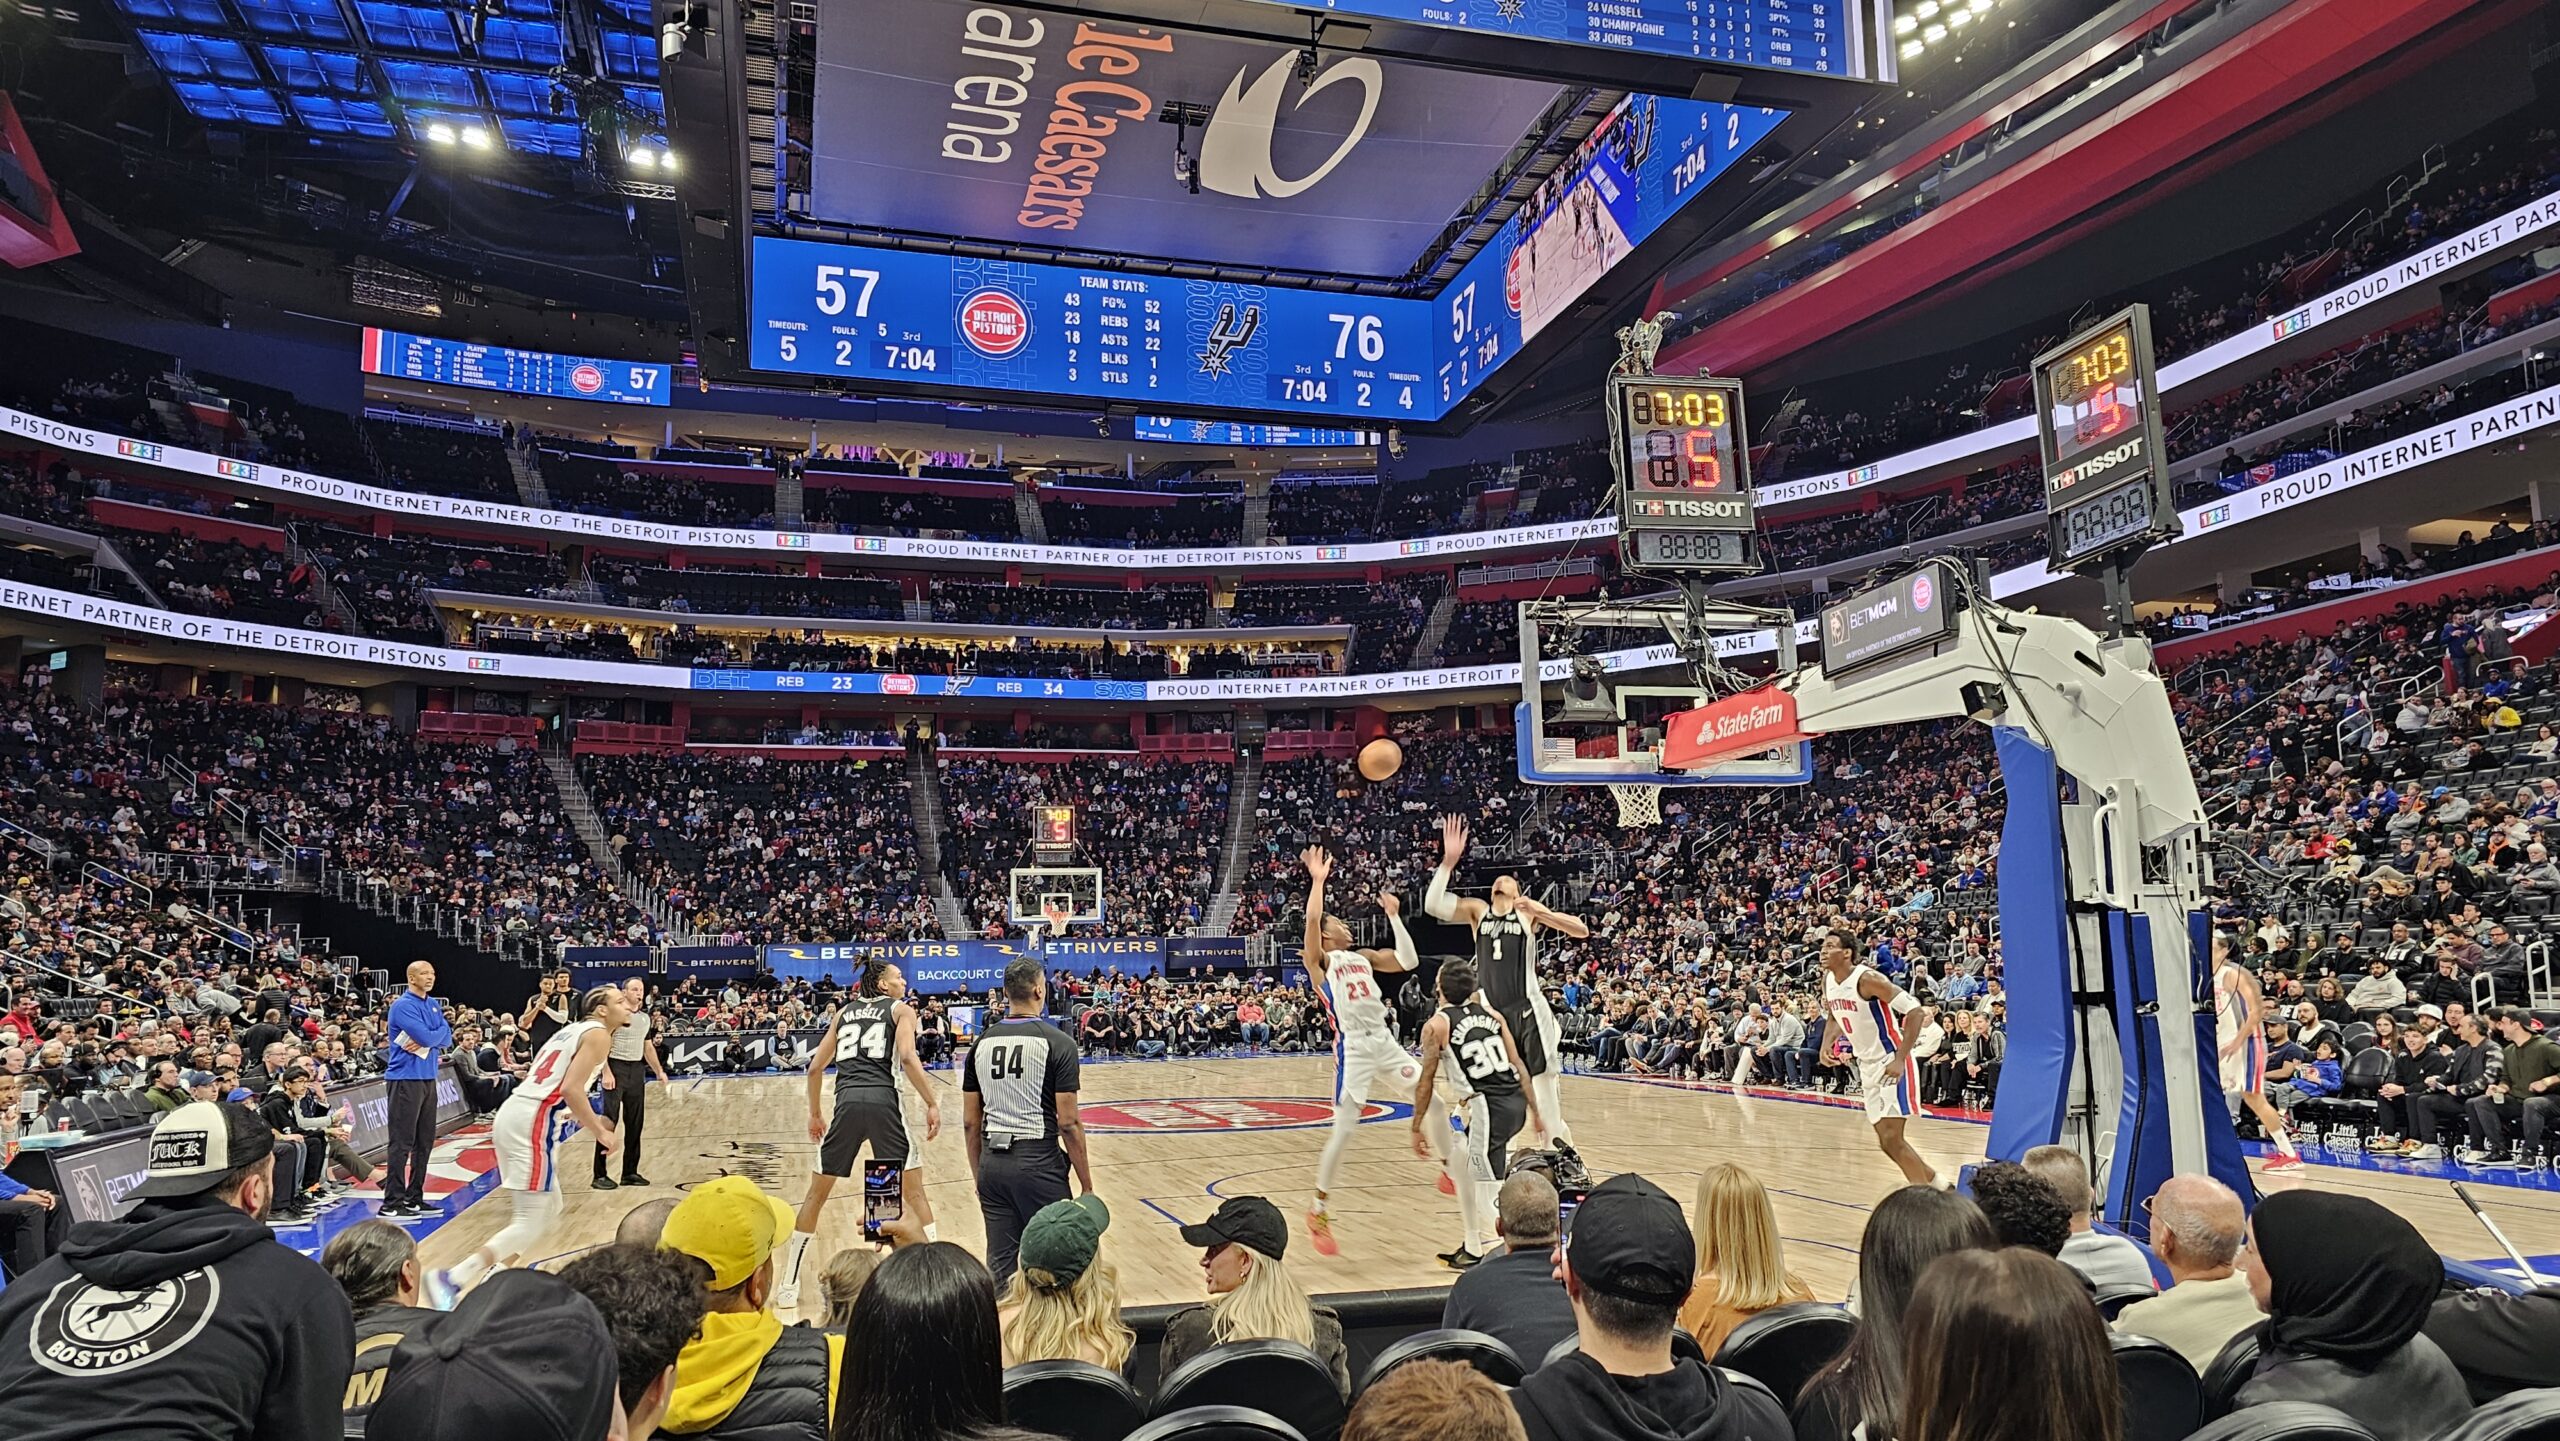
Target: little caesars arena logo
{"type": "Point", "coordinates": [1108, 89]}
{"type": "Point", "coordinates": [83, 1329]}
{"type": "Point", "coordinates": [1224, 1113]}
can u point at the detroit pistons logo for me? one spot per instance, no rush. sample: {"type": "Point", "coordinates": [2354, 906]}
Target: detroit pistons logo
{"type": "Point", "coordinates": [1922, 593]}
{"type": "Point", "coordinates": [994, 323]}
{"type": "Point", "coordinates": [1190, 1114]}
{"type": "Point", "coordinates": [586, 380]}
{"type": "Point", "coordinates": [83, 1329]}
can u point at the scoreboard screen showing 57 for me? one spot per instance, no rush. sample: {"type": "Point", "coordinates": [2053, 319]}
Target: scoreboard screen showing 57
{"type": "Point", "coordinates": [872, 313]}
{"type": "Point", "coordinates": [862, 312]}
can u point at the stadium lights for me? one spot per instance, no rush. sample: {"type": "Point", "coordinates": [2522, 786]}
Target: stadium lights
{"type": "Point", "coordinates": [440, 133]}
{"type": "Point", "coordinates": [475, 138]}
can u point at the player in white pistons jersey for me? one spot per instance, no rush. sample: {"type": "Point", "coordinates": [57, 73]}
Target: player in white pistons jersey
{"type": "Point", "coordinates": [1873, 1015]}
{"type": "Point", "coordinates": [558, 1076]}
{"type": "Point", "coordinates": [1506, 930]}
{"type": "Point", "coordinates": [1367, 1060]}
{"type": "Point", "coordinates": [2240, 1036]}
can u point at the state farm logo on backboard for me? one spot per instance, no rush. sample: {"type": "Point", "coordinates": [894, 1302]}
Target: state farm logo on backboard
{"type": "Point", "coordinates": [995, 323]}
{"type": "Point", "coordinates": [1171, 1114]}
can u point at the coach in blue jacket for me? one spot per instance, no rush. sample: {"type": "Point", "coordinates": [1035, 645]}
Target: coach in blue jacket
{"type": "Point", "coordinates": [419, 1036]}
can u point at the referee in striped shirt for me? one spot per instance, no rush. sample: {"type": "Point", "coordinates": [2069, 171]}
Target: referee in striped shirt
{"type": "Point", "coordinates": [1018, 1108]}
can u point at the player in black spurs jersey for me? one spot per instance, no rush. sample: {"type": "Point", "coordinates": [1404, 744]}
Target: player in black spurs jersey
{"type": "Point", "coordinates": [1467, 1044]}
{"type": "Point", "coordinates": [883, 1100]}
{"type": "Point", "coordinates": [1506, 931]}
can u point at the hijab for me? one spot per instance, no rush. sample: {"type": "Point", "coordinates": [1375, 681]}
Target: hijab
{"type": "Point", "coordinates": [2350, 1280]}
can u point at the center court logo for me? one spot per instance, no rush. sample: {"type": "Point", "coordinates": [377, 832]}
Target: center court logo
{"type": "Point", "coordinates": [1235, 146]}
{"type": "Point", "coordinates": [994, 323]}
{"type": "Point", "coordinates": [1169, 1115]}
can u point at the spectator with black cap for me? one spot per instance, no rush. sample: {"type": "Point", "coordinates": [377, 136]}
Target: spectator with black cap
{"type": "Point", "coordinates": [186, 1320]}
{"type": "Point", "coordinates": [1252, 1295]}
{"type": "Point", "coordinates": [516, 1360]}
{"type": "Point", "coordinates": [1627, 1262]}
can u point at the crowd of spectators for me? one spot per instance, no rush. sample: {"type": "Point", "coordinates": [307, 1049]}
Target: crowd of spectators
{"type": "Point", "coordinates": [1153, 825]}
{"type": "Point", "coordinates": [756, 849]}
{"type": "Point", "coordinates": [1174, 520]}
{"type": "Point", "coordinates": [610, 485]}
{"type": "Point", "coordinates": [2491, 175]}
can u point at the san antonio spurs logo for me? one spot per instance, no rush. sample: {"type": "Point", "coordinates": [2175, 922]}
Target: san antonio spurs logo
{"type": "Point", "coordinates": [1510, 9]}
{"type": "Point", "coordinates": [1228, 336]}
{"type": "Point", "coordinates": [83, 1329]}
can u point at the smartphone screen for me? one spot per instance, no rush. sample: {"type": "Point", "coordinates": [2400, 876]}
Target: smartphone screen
{"type": "Point", "coordinates": [1567, 1201]}
{"type": "Point", "coordinates": [883, 1197]}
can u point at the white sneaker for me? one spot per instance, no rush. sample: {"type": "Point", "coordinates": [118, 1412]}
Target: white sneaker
{"type": "Point", "coordinates": [786, 1298]}
{"type": "Point", "coordinates": [2382, 1143]}
{"type": "Point", "coordinates": [2470, 1155]}
{"type": "Point", "coordinates": [2424, 1153]}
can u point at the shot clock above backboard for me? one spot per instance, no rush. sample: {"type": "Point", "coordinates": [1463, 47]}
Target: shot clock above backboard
{"type": "Point", "coordinates": [2098, 420]}
{"type": "Point", "coordinates": [1684, 484]}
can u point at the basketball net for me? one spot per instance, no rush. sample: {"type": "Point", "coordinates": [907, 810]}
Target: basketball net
{"type": "Point", "coordinates": [1639, 803]}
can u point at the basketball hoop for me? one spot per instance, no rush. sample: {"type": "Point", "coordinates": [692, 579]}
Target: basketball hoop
{"type": "Point", "coordinates": [1639, 802]}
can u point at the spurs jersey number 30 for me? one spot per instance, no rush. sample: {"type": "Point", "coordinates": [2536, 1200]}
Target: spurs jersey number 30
{"type": "Point", "coordinates": [1351, 988]}
{"type": "Point", "coordinates": [1476, 1062]}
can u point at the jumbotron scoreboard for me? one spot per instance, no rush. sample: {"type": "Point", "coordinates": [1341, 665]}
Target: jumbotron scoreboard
{"type": "Point", "coordinates": [2106, 471]}
{"type": "Point", "coordinates": [1684, 474]}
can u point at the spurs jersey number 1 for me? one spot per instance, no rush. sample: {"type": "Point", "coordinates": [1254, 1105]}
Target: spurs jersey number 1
{"type": "Point", "coordinates": [1507, 959]}
{"type": "Point", "coordinates": [1351, 988]}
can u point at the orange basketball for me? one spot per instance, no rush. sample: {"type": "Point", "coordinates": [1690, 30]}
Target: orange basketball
{"type": "Point", "coordinates": [1379, 758]}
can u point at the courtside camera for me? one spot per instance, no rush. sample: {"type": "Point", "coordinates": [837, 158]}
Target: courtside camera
{"type": "Point", "coordinates": [672, 38]}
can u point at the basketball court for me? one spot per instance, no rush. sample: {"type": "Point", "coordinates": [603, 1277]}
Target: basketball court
{"type": "Point", "coordinates": [1169, 1138]}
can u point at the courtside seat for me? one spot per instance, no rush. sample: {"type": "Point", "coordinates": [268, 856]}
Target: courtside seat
{"type": "Point", "coordinates": [2112, 1301]}
{"type": "Point", "coordinates": [2355, 1108]}
{"type": "Point", "coordinates": [2285, 1421]}
{"type": "Point", "coordinates": [1074, 1400]}
{"type": "Point", "coordinates": [1281, 1377]}
{"type": "Point", "coordinates": [1488, 1354]}
{"type": "Point", "coordinates": [1784, 1345]}
{"type": "Point", "coordinates": [1219, 1423]}
{"type": "Point", "coordinates": [2516, 1416]}
{"type": "Point", "coordinates": [2231, 1369]}
{"type": "Point", "coordinates": [2163, 1399]}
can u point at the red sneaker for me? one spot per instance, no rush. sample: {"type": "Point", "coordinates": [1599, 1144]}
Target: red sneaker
{"type": "Point", "coordinates": [2282, 1162]}
{"type": "Point", "coordinates": [1320, 1233]}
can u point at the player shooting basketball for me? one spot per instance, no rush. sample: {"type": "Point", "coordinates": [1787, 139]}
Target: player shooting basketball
{"type": "Point", "coordinates": [1366, 1058]}
{"type": "Point", "coordinates": [1506, 932]}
